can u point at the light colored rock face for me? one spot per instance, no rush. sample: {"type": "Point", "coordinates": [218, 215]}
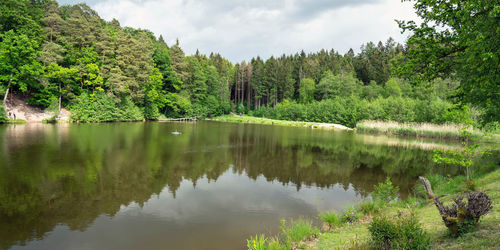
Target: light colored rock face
{"type": "Point", "coordinates": [64, 116]}
{"type": "Point", "coordinates": [16, 108]}
{"type": "Point", "coordinates": [332, 125]}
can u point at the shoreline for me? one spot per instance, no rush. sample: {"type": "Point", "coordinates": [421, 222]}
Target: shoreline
{"type": "Point", "coordinates": [267, 121]}
{"type": "Point", "coordinates": [356, 235]}
{"type": "Point", "coordinates": [447, 132]}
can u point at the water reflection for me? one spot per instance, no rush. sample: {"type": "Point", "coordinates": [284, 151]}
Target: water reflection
{"type": "Point", "coordinates": [135, 185]}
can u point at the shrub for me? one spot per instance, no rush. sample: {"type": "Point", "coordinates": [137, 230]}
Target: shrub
{"type": "Point", "coordinates": [332, 218]}
{"type": "Point", "coordinates": [350, 215]}
{"type": "Point", "coordinates": [411, 201]}
{"type": "Point", "coordinates": [369, 207]}
{"type": "Point", "coordinates": [400, 233]}
{"type": "Point", "coordinates": [102, 108]}
{"type": "Point", "coordinates": [350, 109]}
{"type": "Point", "coordinates": [383, 231]}
{"type": "Point", "coordinates": [492, 127]}
{"type": "Point", "coordinates": [385, 191]}
{"type": "Point", "coordinates": [3, 115]}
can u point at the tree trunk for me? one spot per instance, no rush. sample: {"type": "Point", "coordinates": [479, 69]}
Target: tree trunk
{"type": "Point", "coordinates": [60, 97]}
{"type": "Point", "coordinates": [242, 87]}
{"type": "Point", "coordinates": [7, 91]}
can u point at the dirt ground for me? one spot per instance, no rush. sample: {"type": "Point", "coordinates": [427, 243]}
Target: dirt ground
{"type": "Point", "coordinates": [16, 108]}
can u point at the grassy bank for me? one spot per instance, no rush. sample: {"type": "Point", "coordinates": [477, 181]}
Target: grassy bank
{"type": "Point", "coordinates": [442, 131]}
{"type": "Point", "coordinates": [16, 121]}
{"type": "Point", "coordinates": [258, 120]}
{"type": "Point", "coordinates": [355, 234]}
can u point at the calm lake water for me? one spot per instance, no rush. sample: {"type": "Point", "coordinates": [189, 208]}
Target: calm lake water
{"type": "Point", "coordinates": [138, 186]}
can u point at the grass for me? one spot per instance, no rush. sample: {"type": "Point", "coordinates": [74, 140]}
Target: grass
{"type": "Point", "coordinates": [16, 121]}
{"type": "Point", "coordinates": [349, 236]}
{"type": "Point", "coordinates": [299, 230]}
{"type": "Point", "coordinates": [486, 235]}
{"type": "Point", "coordinates": [369, 207]}
{"type": "Point", "coordinates": [331, 218]}
{"type": "Point", "coordinates": [297, 234]}
{"type": "Point", "coordinates": [357, 236]}
{"type": "Point", "coordinates": [259, 120]}
{"type": "Point", "coordinates": [443, 131]}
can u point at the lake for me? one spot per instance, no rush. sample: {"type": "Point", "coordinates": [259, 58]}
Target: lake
{"type": "Point", "coordinates": [139, 186]}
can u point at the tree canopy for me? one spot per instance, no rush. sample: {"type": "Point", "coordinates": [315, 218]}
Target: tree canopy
{"type": "Point", "coordinates": [458, 38]}
{"type": "Point", "coordinates": [101, 71]}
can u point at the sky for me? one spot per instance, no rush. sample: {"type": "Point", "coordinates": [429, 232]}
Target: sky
{"type": "Point", "coordinates": [242, 29]}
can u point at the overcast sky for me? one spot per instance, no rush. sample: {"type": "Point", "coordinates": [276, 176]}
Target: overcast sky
{"type": "Point", "coordinates": [242, 29]}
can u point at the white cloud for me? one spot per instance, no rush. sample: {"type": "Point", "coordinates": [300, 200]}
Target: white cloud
{"type": "Point", "coordinates": [240, 30]}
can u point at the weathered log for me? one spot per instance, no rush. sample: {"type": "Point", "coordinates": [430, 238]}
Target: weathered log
{"type": "Point", "coordinates": [461, 214]}
{"type": "Point", "coordinates": [427, 186]}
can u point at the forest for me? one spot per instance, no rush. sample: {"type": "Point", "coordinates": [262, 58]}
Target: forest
{"type": "Point", "coordinates": [68, 57]}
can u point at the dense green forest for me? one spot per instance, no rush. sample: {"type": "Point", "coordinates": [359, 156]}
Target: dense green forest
{"type": "Point", "coordinates": [67, 56]}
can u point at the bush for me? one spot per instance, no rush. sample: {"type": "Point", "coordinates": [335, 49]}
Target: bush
{"type": "Point", "coordinates": [400, 233]}
{"type": "Point", "coordinates": [350, 215]}
{"type": "Point", "coordinates": [102, 108]}
{"type": "Point", "coordinates": [385, 192]}
{"type": "Point", "coordinates": [369, 207]}
{"type": "Point", "coordinates": [3, 114]}
{"type": "Point", "coordinates": [349, 110]}
{"type": "Point", "coordinates": [411, 201]}
{"type": "Point", "coordinates": [332, 218]}
{"type": "Point", "coordinates": [492, 127]}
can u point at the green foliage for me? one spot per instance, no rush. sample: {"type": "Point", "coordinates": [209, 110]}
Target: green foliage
{"type": "Point", "coordinates": [257, 243]}
{"type": "Point", "coordinates": [457, 39]}
{"type": "Point", "coordinates": [83, 53]}
{"type": "Point", "coordinates": [443, 185]}
{"type": "Point", "coordinates": [350, 110]}
{"type": "Point", "coordinates": [392, 88]}
{"type": "Point", "coordinates": [369, 207]}
{"type": "Point", "coordinates": [399, 233]}
{"type": "Point", "coordinates": [18, 60]}
{"type": "Point", "coordinates": [373, 63]}
{"type": "Point", "coordinates": [298, 230]}
{"type": "Point", "coordinates": [463, 157]}
{"type": "Point", "coordinates": [261, 242]}
{"type": "Point", "coordinates": [306, 90]}
{"type": "Point", "coordinates": [492, 127]}
{"type": "Point", "coordinates": [177, 105]}
{"type": "Point", "coordinates": [331, 217]}
{"type": "Point", "coordinates": [337, 85]}
{"type": "Point", "coordinates": [3, 114]}
{"type": "Point", "coordinates": [385, 192]}
{"type": "Point", "coordinates": [350, 215]}
{"type": "Point", "coordinates": [154, 98]}
{"type": "Point", "coordinates": [16, 121]}
{"type": "Point", "coordinates": [62, 81]}
{"type": "Point", "coordinates": [102, 108]}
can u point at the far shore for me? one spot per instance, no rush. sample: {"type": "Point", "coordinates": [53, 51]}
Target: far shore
{"type": "Point", "coordinates": [257, 120]}
{"type": "Point", "coordinates": [417, 130]}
